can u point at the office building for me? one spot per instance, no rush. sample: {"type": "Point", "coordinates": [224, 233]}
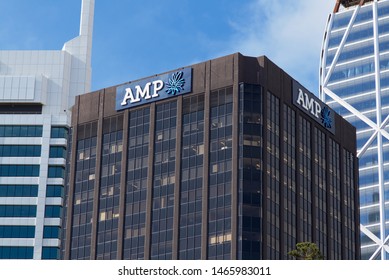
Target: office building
{"type": "Point", "coordinates": [226, 159]}
{"type": "Point", "coordinates": [354, 79]}
{"type": "Point", "coordinates": [37, 88]}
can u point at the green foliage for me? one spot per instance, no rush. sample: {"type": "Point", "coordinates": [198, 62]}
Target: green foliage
{"type": "Point", "coordinates": [306, 251]}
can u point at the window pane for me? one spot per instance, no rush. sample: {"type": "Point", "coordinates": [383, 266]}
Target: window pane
{"type": "Point", "coordinates": [17, 231]}
{"type": "Point", "coordinates": [59, 132]}
{"type": "Point", "coordinates": [50, 253]}
{"type": "Point", "coordinates": [56, 172]}
{"type": "Point", "coordinates": [54, 191]}
{"type": "Point", "coordinates": [57, 152]}
{"type": "Point", "coordinates": [21, 130]}
{"type": "Point", "coordinates": [20, 150]}
{"type": "Point", "coordinates": [53, 211]}
{"type": "Point", "coordinates": [7, 252]}
{"type": "Point", "coordinates": [51, 232]}
{"type": "Point", "coordinates": [17, 210]}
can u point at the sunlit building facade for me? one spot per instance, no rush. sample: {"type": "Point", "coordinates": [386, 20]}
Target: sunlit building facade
{"type": "Point", "coordinates": [37, 89]}
{"type": "Point", "coordinates": [226, 159]}
{"type": "Point", "coordinates": [354, 78]}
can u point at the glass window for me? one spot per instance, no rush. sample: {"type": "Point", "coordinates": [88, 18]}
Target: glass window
{"type": "Point", "coordinates": [50, 253]}
{"type": "Point", "coordinates": [51, 232]}
{"type": "Point", "coordinates": [57, 152]}
{"type": "Point", "coordinates": [54, 191]}
{"type": "Point", "coordinates": [17, 210]}
{"type": "Point", "coordinates": [18, 190]}
{"type": "Point", "coordinates": [59, 132]}
{"type": "Point", "coordinates": [53, 211]}
{"type": "Point", "coordinates": [7, 252]}
{"type": "Point", "coordinates": [20, 131]}
{"type": "Point", "coordinates": [84, 189]}
{"type": "Point", "coordinates": [134, 240]}
{"type": "Point", "coordinates": [17, 231]}
{"type": "Point", "coordinates": [19, 170]}
{"type": "Point", "coordinates": [23, 131]}
{"type": "Point", "coordinates": [20, 150]}
{"type": "Point", "coordinates": [56, 172]}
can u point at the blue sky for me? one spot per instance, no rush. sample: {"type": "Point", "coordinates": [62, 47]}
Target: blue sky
{"type": "Point", "coordinates": [133, 39]}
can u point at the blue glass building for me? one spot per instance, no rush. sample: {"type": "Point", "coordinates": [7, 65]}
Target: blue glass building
{"type": "Point", "coordinates": [354, 78]}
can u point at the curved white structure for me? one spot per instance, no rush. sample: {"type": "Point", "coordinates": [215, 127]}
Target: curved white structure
{"type": "Point", "coordinates": [354, 81]}
{"type": "Point", "coordinates": [37, 89]}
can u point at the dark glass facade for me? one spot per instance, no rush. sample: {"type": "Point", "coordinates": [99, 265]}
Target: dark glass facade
{"type": "Point", "coordinates": [107, 227]}
{"type": "Point", "coordinates": [232, 170]}
{"type": "Point", "coordinates": [84, 184]}
{"type": "Point", "coordinates": [136, 185]}
{"type": "Point", "coordinates": [250, 174]}
{"type": "Point", "coordinates": [192, 154]}
{"type": "Point", "coordinates": [164, 178]}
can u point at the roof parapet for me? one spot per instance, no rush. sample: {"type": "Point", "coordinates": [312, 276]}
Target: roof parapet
{"type": "Point", "coordinates": [349, 3]}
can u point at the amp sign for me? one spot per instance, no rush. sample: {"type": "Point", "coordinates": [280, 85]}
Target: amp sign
{"type": "Point", "coordinates": [154, 89]}
{"type": "Point", "coordinates": [314, 107]}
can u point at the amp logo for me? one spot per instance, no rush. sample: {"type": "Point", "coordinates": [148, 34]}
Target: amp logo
{"type": "Point", "coordinates": [153, 89]}
{"type": "Point", "coordinates": [313, 106]}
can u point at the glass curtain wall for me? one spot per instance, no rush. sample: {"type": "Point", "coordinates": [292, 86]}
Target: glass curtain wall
{"type": "Point", "coordinates": [250, 183]}
{"type": "Point", "coordinates": [354, 79]}
{"type": "Point", "coordinates": [192, 156]}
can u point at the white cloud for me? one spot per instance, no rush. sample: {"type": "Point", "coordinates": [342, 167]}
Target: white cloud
{"type": "Point", "coordinates": [290, 33]}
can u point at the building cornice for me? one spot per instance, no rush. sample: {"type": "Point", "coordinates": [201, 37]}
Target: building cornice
{"type": "Point", "coordinates": [349, 3]}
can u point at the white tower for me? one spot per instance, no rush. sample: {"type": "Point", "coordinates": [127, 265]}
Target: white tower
{"type": "Point", "coordinates": [37, 88]}
{"type": "Point", "coordinates": [354, 80]}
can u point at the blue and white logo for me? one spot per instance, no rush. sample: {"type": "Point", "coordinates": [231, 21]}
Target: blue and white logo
{"type": "Point", "coordinates": [153, 89]}
{"type": "Point", "coordinates": [313, 106]}
{"type": "Point", "coordinates": [176, 83]}
{"type": "Point", "coordinates": [326, 117]}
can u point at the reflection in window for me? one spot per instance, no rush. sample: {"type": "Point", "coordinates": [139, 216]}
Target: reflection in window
{"type": "Point", "coordinates": [219, 239]}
